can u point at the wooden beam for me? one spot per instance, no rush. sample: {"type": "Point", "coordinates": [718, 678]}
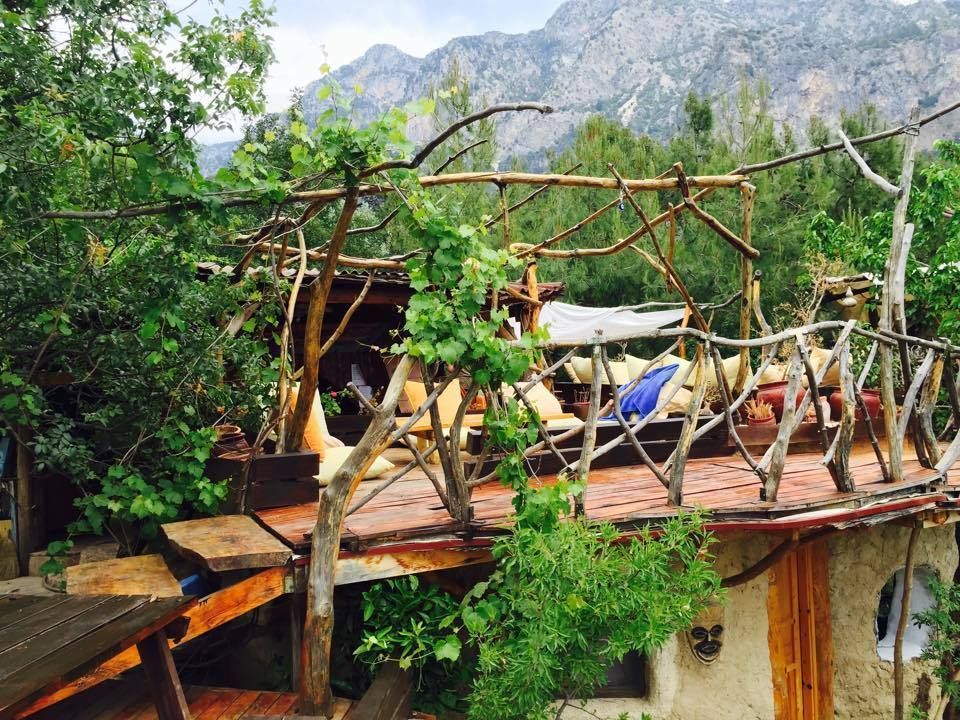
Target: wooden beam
{"type": "Point", "coordinates": [164, 683]}
{"type": "Point", "coordinates": [209, 612]}
{"type": "Point", "coordinates": [377, 566]}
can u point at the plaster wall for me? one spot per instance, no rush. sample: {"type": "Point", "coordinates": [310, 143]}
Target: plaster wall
{"type": "Point", "coordinates": [738, 685]}
{"type": "Point", "coordinates": [860, 563]}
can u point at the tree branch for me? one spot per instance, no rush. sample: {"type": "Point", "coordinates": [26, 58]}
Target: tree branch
{"type": "Point", "coordinates": [869, 174]}
{"type": "Point", "coordinates": [417, 160]}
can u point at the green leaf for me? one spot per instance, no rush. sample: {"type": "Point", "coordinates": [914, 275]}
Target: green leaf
{"type": "Point", "coordinates": [448, 649]}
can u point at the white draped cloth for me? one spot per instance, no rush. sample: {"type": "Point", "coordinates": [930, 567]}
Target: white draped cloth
{"type": "Point", "coordinates": [575, 324]}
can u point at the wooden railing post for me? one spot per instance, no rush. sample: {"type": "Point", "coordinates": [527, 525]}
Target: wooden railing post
{"type": "Point", "coordinates": [778, 452]}
{"type": "Point", "coordinates": [675, 491]}
{"type": "Point", "coordinates": [747, 193]}
{"type": "Point", "coordinates": [893, 283]}
{"type": "Point", "coordinates": [590, 430]}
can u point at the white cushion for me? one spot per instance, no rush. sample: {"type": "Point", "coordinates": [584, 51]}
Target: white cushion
{"type": "Point", "coordinates": [337, 456]}
{"type": "Point", "coordinates": [571, 373]}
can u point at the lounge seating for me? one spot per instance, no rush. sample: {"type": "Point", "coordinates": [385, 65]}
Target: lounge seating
{"type": "Point", "coordinates": [332, 452]}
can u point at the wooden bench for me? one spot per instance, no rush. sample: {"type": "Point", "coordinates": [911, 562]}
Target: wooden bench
{"type": "Point", "coordinates": [48, 641]}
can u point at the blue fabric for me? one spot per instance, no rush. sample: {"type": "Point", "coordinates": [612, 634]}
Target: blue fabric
{"type": "Point", "coordinates": [643, 398]}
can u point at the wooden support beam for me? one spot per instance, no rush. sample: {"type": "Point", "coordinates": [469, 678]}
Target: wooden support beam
{"type": "Point", "coordinates": [27, 530]}
{"type": "Point", "coordinates": [162, 673]}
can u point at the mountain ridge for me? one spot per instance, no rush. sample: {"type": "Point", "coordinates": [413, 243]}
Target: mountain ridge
{"type": "Point", "coordinates": [636, 60]}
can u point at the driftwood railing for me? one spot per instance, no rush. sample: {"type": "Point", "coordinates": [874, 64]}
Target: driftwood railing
{"type": "Point", "coordinates": [928, 366]}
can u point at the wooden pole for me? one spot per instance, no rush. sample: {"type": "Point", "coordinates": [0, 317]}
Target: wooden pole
{"type": "Point", "coordinates": [891, 309]}
{"type": "Point", "coordinates": [589, 431]}
{"type": "Point", "coordinates": [25, 515]}
{"type": "Point", "coordinates": [747, 193]}
{"type": "Point", "coordinates": [316, 697]}
{"type": "Point", "coordinates": [319, 292]}
{"type": "Point", "coordinates": [685, 442]}
{"type": "Point", "coordinates": [898, 703]}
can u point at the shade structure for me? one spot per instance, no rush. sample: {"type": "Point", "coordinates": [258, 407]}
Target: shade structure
{"type": "Point", "coordinates": [568, 323]}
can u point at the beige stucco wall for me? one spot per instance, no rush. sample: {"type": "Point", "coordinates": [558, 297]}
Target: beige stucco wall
{"type": "Point", "coordinates": [737, 686]}
{"type": "Point", "coordinates": [860, 563]}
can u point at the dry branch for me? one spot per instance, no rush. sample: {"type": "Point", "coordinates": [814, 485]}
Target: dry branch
{"type": "Point", "coordinates": [424, 152]}
{"type": "Point", "coordinates": [869, 174]}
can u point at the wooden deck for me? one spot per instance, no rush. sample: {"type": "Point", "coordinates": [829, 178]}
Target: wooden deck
{"type": "Point", "coordinates": [410, 507]}
{"type": "Point", "coordinates": [126, 700]}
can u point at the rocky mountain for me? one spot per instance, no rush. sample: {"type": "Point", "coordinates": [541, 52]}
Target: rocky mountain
{"type": "Point", "coordinates": [636, 60]}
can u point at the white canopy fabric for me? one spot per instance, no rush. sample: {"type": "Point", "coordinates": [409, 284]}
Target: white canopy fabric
{"type": "Point", "coordinates": [574, 323]}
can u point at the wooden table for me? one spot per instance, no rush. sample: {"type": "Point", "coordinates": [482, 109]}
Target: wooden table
{"type": "Point", "coordinates": [48, 641]}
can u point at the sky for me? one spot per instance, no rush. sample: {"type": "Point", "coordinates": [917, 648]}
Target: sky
{"type": "Point", "coordinates": [308, 34]}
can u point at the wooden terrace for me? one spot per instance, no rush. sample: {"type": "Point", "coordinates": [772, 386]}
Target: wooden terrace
{"type": "Point", "coordinates": [628, 496]}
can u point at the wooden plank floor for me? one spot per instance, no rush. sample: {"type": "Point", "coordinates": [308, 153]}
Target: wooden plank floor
{"type": "Point", "coordinates": [129, 700]}
{"type": "Point", "coordinates": [410, 507]}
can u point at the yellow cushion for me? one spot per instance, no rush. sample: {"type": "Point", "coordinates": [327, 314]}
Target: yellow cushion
{"type": "Point", "coordinates": [774, 373]}
{"type": "Point", "coordinates": [315, 432]}
{"type": "Point", "coordinates": [818, 358]}
{"type": "Point", "coordinates": [571, 373]}
{"type": "Point", "coordinates": [635, 366]}
{"type": "Point", "coordinates": [338, 456]}
{"type": "Point", "coordinates": [621, 372]}
{"type": "Point", "coordinates": [448, 402]}
{"type": "Point", "coordinates": [679, 403]}
{"type": "Point", "coordinates": [542, 399]}
{"type": "Point", "coordinates": [583, 368]}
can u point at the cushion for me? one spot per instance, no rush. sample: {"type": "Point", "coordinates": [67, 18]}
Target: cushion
{"type": "Point", "coordinates": [542, 399]}
{"type": "Point", "coordinates": [635, 366]}
{"type": "Point", "coordinates": [338, 455]}
{"type": "Point", "coordinates": [774, 373]}
{"type": "Point", "coordinates": [448, 402]}
{"type": "Point", "coordinates": [315, 433]}
{"type": "Point", "coordinates": [818, 358]}
{"type": "Point", "coordinates": [680, 402]}
{"type": "Point", "coordinates": [571, 373]}
{"type": "Point", "coordinates": [583, 367]}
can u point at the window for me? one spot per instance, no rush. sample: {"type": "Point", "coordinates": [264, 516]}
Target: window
{"type": "Point", "coordinates": [627, 678]}
{"type": "Point", "coordinates": [888, 614]}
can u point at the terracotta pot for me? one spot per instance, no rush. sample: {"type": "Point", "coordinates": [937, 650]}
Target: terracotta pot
{"type": "Point", "coordinates": [871, 398]}
{"type": "Point", "coordinates": [774, 393]}
{"type": "Point", "coordinates": [765, 421]}
{"type": "Point", "coordinates": [230, 439]}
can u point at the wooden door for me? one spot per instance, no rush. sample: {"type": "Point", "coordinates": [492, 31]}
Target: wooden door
{"type": "Point", "coordinates": [799, 635]}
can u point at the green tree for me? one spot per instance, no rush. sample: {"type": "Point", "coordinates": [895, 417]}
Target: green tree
{"type": "Point", "coordinates": [97, 109]}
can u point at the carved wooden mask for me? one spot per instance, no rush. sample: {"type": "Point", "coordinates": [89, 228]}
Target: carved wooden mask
{"type": "Point", "coordinates": [706, 635]}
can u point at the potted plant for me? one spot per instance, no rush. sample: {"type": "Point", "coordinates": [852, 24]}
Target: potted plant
{"type": "Point", "coordinates": [759, 412]}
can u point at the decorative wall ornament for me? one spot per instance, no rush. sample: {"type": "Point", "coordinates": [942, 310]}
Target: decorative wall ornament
{"type": "Point", "coordinates": [706, 635]}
